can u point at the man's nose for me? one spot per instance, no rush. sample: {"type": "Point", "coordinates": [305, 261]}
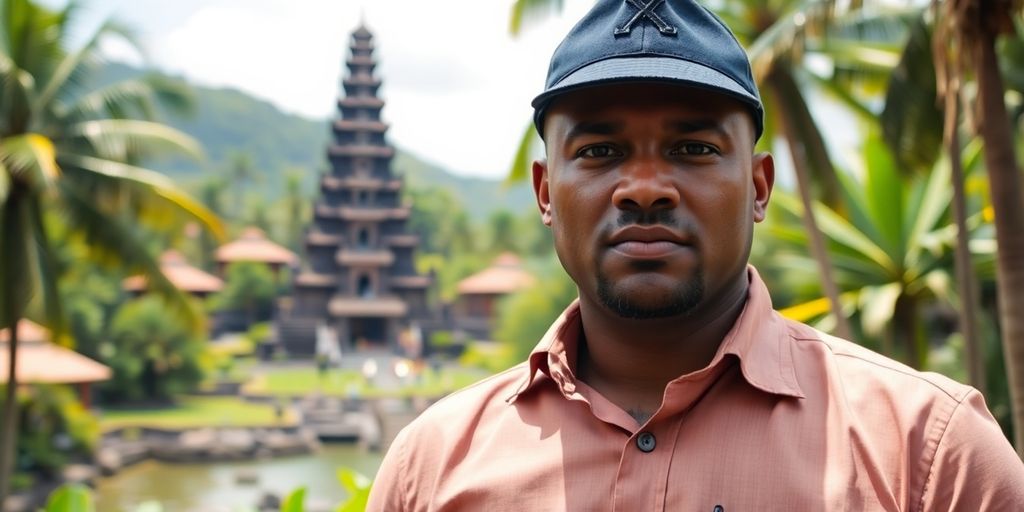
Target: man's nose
{"type": "Point", "coordinates": [646, 186]}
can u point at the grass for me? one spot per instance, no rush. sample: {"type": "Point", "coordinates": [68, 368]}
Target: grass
{"type": "Point", "coordinates": [301, 381]}
{"type": "Point", "coordinates": [195, 412]}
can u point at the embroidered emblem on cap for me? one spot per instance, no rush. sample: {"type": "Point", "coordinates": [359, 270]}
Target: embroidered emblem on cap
{"type": "Point", "coordinates": [646, 10]}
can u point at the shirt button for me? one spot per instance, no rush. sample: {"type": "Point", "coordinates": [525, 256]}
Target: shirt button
{"type": "Point", "coordinates": [645, 441]}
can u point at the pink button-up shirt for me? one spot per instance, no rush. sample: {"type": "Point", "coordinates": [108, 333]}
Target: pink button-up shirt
{"type": "Point", "coordinates": [783, 418]}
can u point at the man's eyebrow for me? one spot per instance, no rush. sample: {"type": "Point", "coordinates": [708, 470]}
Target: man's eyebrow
{"type": "Point", "coordinates": [594, 128]}
{"type": "Point", "coordinates": [698, 125]}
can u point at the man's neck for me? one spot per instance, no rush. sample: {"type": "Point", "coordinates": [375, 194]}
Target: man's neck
{"type": "Point", "coordinates": [631, 361]}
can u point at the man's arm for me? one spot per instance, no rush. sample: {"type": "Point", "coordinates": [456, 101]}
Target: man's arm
{"type": "Point", "coordinates": [388, 492]}
{"type": "Point", "coordinates": [974, 468]}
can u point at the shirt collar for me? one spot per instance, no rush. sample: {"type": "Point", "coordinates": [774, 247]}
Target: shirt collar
{"type": "Point", "coordinates": [759, 339]}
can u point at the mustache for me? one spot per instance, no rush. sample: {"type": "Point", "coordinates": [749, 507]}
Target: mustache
{"type": "Point", "coordinates": [662, 217]}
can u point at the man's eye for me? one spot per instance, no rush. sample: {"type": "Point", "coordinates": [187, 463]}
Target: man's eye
{"type": "Point", "coordinates": [695, 149]}
{"type": "Point", "coordinates": [598, 151]}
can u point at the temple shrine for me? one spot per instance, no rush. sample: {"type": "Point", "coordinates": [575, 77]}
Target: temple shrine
{"type": "Point", "coordinates": [357, 280]}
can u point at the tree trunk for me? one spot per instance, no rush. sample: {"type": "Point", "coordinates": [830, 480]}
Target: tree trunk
{"type": "Point", "coordinates": [8, 431]}
{"type": "Point", "coordinates": [786, 94]}
{"type": "Point", "coordinates": [1006, 189]}
{"type": "Point", "coordinates": [965, 278]}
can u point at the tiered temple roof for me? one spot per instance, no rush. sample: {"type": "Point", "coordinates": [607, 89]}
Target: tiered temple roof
{"type": "Point", "coordinates": [358, 275]}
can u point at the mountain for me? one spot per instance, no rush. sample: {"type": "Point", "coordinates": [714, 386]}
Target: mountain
{"type": "Point", "coordinates": [227, 121]}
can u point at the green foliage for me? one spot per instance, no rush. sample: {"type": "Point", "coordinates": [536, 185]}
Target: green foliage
{"type": "Point", "coordinates": [153, 354]}
{"type": "Point", "coordinates": [54, 428]}
{"type": "Point", "coordinates": [249, 287]}
{"type": "Point", "coordinates": [358, 487]}
{"type": "Point", "coordinates": [489, 356]}
{"type": "Point", "coordinates": [525, 316]}
{"type": "Point", "coordinates": [70, 498]}
{"type": "Point", "coordinates": [295, 501]}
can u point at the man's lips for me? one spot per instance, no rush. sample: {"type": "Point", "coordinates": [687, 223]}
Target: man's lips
{"type": "Point", "coordinates": [648, 242]}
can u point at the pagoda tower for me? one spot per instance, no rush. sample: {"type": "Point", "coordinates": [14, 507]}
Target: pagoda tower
{"type": "Point", "coordinates": [358, 277]}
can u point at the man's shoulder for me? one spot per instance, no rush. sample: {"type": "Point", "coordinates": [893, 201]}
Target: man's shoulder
{"type": "Point", "coordinates": [864, 368]}
{"type": "Point", "coordinates": [473, 403]}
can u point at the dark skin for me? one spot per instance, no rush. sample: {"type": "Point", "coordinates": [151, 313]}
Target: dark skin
{"type": "Point", "coordinates": [651, 192]}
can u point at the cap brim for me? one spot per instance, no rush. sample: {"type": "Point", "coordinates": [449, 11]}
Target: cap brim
{"type": "Point", "coordinates": [643, 69]}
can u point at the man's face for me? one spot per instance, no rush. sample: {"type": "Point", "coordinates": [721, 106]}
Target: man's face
{"type": "Point", "coordinates": [651, 192]}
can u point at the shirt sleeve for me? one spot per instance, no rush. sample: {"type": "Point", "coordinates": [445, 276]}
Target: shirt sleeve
{"type": "Point", "coordinates": [974, 468]}
{"type": "Point", "coordinates": [387, 493]}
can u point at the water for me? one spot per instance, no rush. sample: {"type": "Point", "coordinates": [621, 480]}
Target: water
{"type": "Point", "coordinates": [212, 487]}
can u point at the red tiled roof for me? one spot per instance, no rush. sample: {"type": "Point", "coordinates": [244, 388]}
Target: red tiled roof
{"type": "Point", "coordinates": [505, 275]}
{"type": "Point", "coordinates": [253, 245]}
{"type": "Point", "coordinates": [42, 362]}
{"type": "Point", "coordinates": [182, 275]}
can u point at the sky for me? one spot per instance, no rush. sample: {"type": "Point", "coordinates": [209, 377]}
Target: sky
{"type": "Point", "coordinates": [457, 85]}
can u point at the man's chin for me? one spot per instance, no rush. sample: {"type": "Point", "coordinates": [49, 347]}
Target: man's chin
{"type": "Point", "coordinates": [648, 304]}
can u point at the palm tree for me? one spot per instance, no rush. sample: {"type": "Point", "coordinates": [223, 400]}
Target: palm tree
{"type": "Point", "coordinates": [73, 152]}
{"type": "Point", "coordinates": [974, 26]}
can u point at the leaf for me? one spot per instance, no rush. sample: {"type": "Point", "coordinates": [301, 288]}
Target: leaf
{"type": "Point", "coordinates": [121, 139]}
{"type": "Point", "coordinates": [156, 183]}
{"type": "Point", "coordinates": [295, 501]}
{"type": "Point", "coordinates": [878, 303]}
{"type": "Point", "coordinates": [883, 192]}
{"type": "Point", "coordinates": [358, 488]}
{"type": "Point", "coordinates": [30, 158]}
{"type": "Point", "coordinates": [523, 164]}
{"type": "Point", "coordinates": [70, 498]}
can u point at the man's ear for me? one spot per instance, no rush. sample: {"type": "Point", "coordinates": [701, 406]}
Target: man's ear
{"type": "Point", "coordinates": [763, 174]}
{"type": "Point", "coordinates": [540, 189]}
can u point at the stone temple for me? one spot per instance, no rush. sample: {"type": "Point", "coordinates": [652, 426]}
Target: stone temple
{"type": "Point", "coordinates": [357, 279]}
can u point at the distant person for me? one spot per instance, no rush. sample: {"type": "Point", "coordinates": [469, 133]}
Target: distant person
{"type": "Point", "coordinates": [672, 384]}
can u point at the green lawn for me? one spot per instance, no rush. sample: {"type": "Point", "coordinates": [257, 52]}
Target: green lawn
{"type": "Point", "coordinates": [300, 381]}
{"type": "Point", "coordinates": [193, 412]}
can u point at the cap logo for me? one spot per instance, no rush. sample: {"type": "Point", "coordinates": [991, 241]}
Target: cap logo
{"type": "Point", "coordinates": [646, 10]}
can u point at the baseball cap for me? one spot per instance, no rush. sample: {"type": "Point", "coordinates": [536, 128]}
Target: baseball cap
{"type": "Point", "coordinates": [675, 41]}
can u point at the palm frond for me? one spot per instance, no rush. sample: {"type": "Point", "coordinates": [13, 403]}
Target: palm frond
{"type": "Point", "coordinates": [523, 162]}
{"type": "Point", "coordinates": [46, 274]}
{"type": "Point", "coordinates": [30, 159]}
{"type": "Point", "coordinates": [125, 139]}
{"type": "Point", "coordinates": [152, 182]}
{"type": "Point", "coordinates": [524, 11]}
{"type": "Point", "coordinates": [120, 100]}
{"type": "Point", "coordinates": [111, 239]}
{"type": "Point", "coordinates": [74, 61]}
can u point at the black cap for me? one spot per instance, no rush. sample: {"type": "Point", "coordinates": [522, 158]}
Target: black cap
{"type": "Point", "coordinates": [674, 41]}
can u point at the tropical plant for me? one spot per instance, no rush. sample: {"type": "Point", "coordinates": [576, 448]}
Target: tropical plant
{"type": "Point", "coordinates": [154, 356]}
{"type": "Point", "coordinates": [892, 251]}
{"type": "Point", "coordinates": [74, 151]}
{"type": "Point", "coordinates": [56, 427]}
{"type": "Point", "coordinates": [973, 27]}
{"type": "Point", "coordinates": [250, 287]}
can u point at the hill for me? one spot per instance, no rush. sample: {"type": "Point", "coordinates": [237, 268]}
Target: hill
{"type": "Point", "coordinates": [227, 120]}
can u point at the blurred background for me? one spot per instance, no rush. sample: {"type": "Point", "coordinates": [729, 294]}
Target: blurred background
{"type": "Point", "coordinates": [243, 243]}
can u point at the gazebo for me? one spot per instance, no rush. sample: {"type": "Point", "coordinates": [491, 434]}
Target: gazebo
{"type": "Point", "coordinates": [182, 275]}
{"type": "Point", "coordinates": [42, 362]}
{"type": "Point", "coordinates": [478, 294]}
{"type": "Point", "coordinates": [254, 246]}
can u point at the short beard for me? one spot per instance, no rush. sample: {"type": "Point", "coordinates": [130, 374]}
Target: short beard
{"type": "Point", "coordinates": [685, 298]}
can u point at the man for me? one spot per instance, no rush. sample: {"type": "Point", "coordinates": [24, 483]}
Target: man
{"type": "Point", "coordinates": [671, 384]}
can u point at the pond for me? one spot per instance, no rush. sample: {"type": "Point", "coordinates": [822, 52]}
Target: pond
{"type": "Point", "coordinates": [214, 487]}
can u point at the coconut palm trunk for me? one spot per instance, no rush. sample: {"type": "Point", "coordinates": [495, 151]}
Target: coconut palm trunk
{"type": "Point", "coordinates": [10, 416]}
{"type": "Point", "coordinates": [789, 98]}
{"type": "Point", "coordinates": [1006, 187]}
{"type": "Point", "coordinates": [966, 282]}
